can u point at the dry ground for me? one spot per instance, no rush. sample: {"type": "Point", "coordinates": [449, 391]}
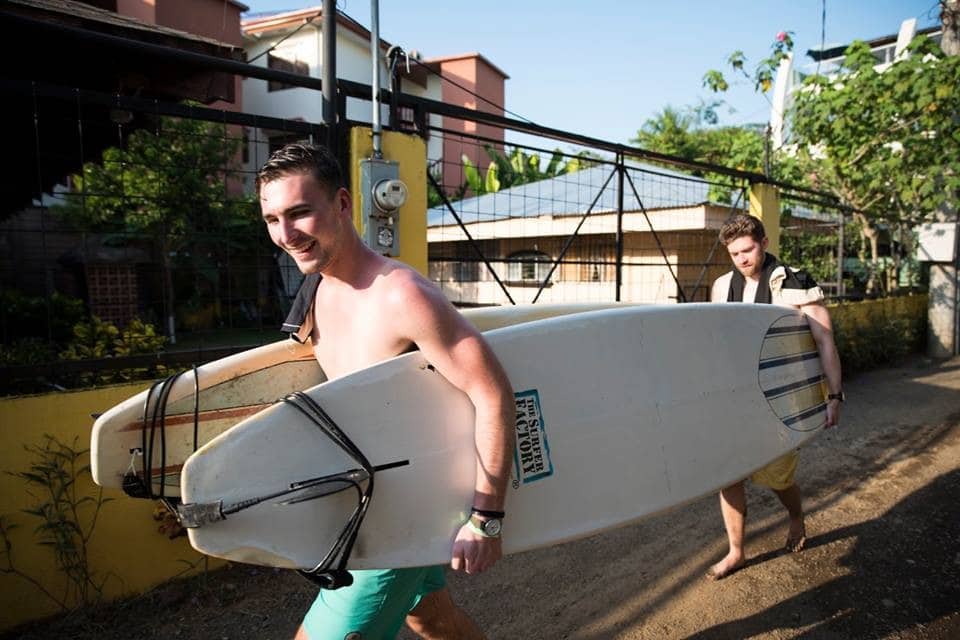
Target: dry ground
{"type": "Point", "coordinates": [883, 556]}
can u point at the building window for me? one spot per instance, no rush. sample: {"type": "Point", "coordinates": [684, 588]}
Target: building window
{"type": "Point", "coordinates": [528, 267]}
{"type": "Point", "coordinates": [596, 270]}
{"type": "Point", "coordinates": [290, 66]}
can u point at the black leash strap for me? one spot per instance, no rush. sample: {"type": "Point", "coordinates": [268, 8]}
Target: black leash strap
{"type": "Point", "coordinates": [140, 485]}
{"type": "Point", "coordinates": [331, 572]}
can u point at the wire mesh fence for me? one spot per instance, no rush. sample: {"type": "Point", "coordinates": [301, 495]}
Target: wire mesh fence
{"type": "Point", "coordinates": [849, 256]}
{"type": "Point", "coordinates": [138, 245]}
{"type": "Point", "coordinates": [811, 238]}
{"type": "Point", "coordinates": [531, 224]}
{"type": "Point", "coordinates": [145, 237]}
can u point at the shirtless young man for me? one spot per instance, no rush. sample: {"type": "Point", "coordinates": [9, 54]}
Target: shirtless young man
{"type": "Point", "coordinates": [760, 277]}
{"type": "Point", "coordinates": [366, 308]}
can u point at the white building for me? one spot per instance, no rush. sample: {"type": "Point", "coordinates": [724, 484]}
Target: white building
{"type": "Point", "coordinates": [826, 61]}
{"type": "Point", "coordinates": [292, 41]}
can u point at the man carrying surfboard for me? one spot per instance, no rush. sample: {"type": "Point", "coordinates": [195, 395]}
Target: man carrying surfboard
{"type": "Point", "coordinates": [759, 277]}
{"type": "Point", "coordinates": [359, 308]}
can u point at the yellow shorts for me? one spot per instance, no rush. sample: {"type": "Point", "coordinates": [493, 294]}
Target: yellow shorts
{"type": "Point", "coordinates": [778, 475]}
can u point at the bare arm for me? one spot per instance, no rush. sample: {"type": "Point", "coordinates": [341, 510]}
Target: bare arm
{"type": "Point", "coordinates": [464, 358]}
{"type": "Point", "coordinates": [822, 330]}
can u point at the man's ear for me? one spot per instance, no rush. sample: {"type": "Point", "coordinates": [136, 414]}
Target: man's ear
{"type": "Point", "coordinates": [344, 201]}
{"type": "Point", "coordinates": [765, 243]}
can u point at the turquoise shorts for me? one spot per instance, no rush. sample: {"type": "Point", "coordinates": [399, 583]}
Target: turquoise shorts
{"type": "Point", "coordinates": [374, 606]}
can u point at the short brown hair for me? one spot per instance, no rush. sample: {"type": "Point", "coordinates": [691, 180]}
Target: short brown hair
{"type": "Point", "coordinates": [741, 225]}
{"type": "Point", "coordinates": [296, 158]}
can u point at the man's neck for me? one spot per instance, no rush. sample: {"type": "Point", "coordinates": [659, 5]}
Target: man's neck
{"type": "Point", "coordinates": [354, 264]}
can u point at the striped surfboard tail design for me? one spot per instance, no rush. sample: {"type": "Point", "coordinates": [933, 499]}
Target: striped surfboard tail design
{"type": "Point", "coordinates": [791, 375]}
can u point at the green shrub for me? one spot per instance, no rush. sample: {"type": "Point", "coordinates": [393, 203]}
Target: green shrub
{"type": "Point", "coordinates": [26, 317]}
{"type": "Point", "coordinates": [883, 336]}
{"type": "Point", "coordinates": [96, 339]}
{"type": "Point", "coordinates": [25, 351]}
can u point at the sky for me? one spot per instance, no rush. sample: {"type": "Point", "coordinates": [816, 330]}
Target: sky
{"type": "Point", "coordinates": [601, 68]}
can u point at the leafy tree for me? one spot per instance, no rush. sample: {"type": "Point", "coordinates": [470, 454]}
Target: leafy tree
{"type": "Point", "coordinates": [884, 141]}
{"type": "Point", "coordinates": [671, 131]}
{"type": "Point", "coordinates": [765, 71]}
{"type": "Point", "coordinates": [517, 167]}
{"type": "Point", "coordinates": [169, 186]}
{"type": "Point", "coordinates": [681, 132]}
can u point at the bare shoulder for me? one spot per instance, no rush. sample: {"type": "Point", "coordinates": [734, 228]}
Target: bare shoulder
{"type": "Point", "coordinates": [417, 304]}
{"type": "Point", "coordinates": [403, 285]}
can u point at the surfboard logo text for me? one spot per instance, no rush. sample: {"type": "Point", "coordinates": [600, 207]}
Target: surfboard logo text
{"type": "Point", "coordinates": [531, 455]}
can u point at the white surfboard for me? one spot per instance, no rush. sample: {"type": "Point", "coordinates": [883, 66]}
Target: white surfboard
{"type": "Point", "coordinates": [147, 431]}
{"type": "Point", "coordinates": [621, 414]}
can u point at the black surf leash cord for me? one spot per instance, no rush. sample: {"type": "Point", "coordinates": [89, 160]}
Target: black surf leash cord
{"type": "Point", "coordinates": [331, 572]}
{"type": "Point", "coordinates": [324, 573]}
{"type": "Point", "coordinates": [141, 485]}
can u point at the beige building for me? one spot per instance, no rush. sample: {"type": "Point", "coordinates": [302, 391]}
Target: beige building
{"type": "Point", "coordinates": [522, 231]}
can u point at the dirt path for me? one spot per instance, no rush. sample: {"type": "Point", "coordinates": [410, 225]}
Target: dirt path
{"type": "Point", "coordinates": [882, 494]}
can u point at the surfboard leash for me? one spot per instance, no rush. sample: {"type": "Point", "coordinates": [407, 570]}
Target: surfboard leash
{"type": "Point", "coordinates": [331, 571]}
{"type": "Point", "coordinates": [141, 485]}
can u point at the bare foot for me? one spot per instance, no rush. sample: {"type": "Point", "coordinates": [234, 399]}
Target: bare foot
{"type": "Point", "coordinates": [730, 564]}
{"type": "Point", "coordinates": [796, 537]}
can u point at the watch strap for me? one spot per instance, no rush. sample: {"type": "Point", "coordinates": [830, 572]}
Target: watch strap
{"type": "Point", "coordinates": [487, 513]}
{"type": "Point", "coordinates": [479, 531]}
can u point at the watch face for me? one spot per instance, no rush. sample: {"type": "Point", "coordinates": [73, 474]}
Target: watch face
{"type": "Point", "coordinates": [492, 527]}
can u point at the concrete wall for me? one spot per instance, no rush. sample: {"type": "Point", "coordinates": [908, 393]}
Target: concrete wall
{"type": "Point", "coordinates": [943, 312]}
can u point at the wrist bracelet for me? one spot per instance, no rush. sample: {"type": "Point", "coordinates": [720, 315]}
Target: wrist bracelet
{"type": "Point", "coordinates": [487, 513]}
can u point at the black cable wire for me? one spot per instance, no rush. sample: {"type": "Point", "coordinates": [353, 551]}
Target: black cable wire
{"type": "Point", "coordinates": [289, 35]}
{"type": "Point", "coordinates": [427, 67]}
{"type": "Point", "coordinates": [474, 94]}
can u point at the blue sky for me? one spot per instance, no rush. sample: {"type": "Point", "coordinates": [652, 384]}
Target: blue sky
{"type": "Point", "coordinates": [602, 67]}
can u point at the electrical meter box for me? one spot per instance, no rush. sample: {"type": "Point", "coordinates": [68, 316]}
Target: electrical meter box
{"type": "Point", "coordinates": [381, 196]}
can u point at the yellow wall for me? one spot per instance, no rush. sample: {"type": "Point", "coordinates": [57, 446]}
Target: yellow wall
{"type": "Point", "coordinates": [765, 204]}
{"type": "Point", "coordinates": [125, 547]}
{"type": "Point", "coordinates": [411, 153]}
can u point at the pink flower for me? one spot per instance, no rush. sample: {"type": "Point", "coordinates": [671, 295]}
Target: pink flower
{"type": "Point", "coordinates": [781, 36]}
